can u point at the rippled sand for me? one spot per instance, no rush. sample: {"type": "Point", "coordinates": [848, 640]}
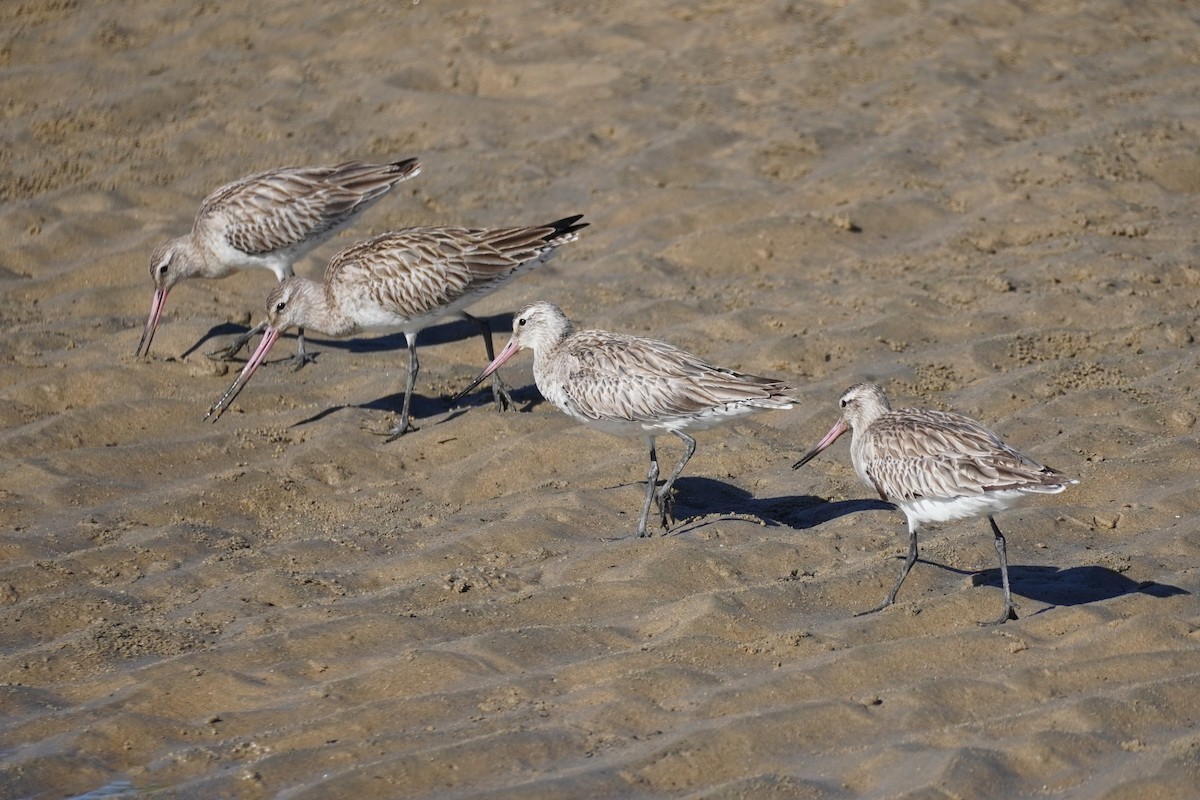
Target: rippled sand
{"type": "Point", "coordinates": [985, 206]}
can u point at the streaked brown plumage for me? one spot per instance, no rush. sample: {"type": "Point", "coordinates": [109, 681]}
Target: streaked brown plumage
{"type": "Point", "coordinates": [407, 280]}
{"type": "Point", "coordinates": [936, 466]}
{"type": "Point", "coordinates": [268, 220]}
{"type": "Point", "coordinates": [631, 386]}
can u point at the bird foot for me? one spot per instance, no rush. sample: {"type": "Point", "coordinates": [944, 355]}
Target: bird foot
{"type": "Point", "coordinates": [874, 610]}
{"type": "Point", "coordinates": [229, 351]}
{"type": "Point", "coordinates": [398, 431]}
{"type": "Point", "coordinates": [393, 433]}
{"type": "Point", "coordinates": [639, 534]}
{"type": "Point", "coordinates": [502, 397]}
{"type": "Point", "coordinates": [1009, 613]}
{"type": "Point", "coordinates": [666, 509]}
{"type": "Point", "coordinates": [300, 359]}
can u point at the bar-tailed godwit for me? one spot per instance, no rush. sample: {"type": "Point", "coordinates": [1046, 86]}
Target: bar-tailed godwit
{"type": "Point", "coordinates": [406, 280]}
{"type": "Point", "coordinates": [937, 466]}
{"type": "Point", "coordinates": [630, 386]}
{"type": "Point", "coordinates": [267, 221]}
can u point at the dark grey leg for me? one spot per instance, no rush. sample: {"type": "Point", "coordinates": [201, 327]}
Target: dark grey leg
{"type": "Point", "coordinates": [500, 392]}
{"type": "Point", "coordinates": [414, 366]}
{"type": "Point", "coordinates": [302, 357]}
{"type": "Point", "coordinates": [665, 497]}
{"type": "Point", "coordinates": [1002, 551]}
{"type": "Point", "coordinates": [651, 483]}
{"type": "Point", "coordinates": [905, 568]}
{"type": "Point", "coordinates": [230, 350]}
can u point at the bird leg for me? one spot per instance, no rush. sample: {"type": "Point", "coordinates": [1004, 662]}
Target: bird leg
{"type": "Point", "coordinates": [302, 357]}
{"type": "Point", "coordinates": [500, 392]}
{"type": "Point", "coordinates": [1002, 551]}
{"type": "Point", "coordinates": [651, 484]}
{"type": "Point", "coordinates": [230, 350]}
{"type": "Point", "coordinates": [414, 366]}
{"type": "Point", "coordinates": [665, 498]}
{"type": "Point", "coordinates": [909, 560]}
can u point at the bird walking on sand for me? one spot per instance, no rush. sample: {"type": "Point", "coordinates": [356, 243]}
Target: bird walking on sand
{"type": "Point", "coordinates": [407, 279]}
{"type": "Point", "coordinates": [267, 221]}
{"type": "Point", "coordinates": [937, 466]}
{"type": "Point", "coordinates": [630, 386]}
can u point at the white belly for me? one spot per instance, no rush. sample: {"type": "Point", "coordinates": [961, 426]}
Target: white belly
{"type": "Point", "coordinates": [941, 509]}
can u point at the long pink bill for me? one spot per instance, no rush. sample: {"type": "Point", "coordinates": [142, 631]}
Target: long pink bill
{"type": "Point", "coordinates": [264, 347]}
{"type": "Point", "coordinates": [834, 432]}
{"type": "Point", "coordinates": [510, 350]}
{"type": "Point", "coordinates": [156, 309]}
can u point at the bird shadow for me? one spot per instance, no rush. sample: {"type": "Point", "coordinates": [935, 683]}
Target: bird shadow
{"type": "Point", "coordinates": [426, 410]}
{"type": "Point", "coordinates": [422, 410]}
{"type": "Point", "coordinates": [1071, 586]}
{"type": "Point", "coordinates": [701, 497]}
{"type": "Point", "coordinates": [525, 398]}
{"type": "Point", "coordinates": [216, 332]}
{"type": "Point", "coordinates": [451, 330]}
{"type": "Point", "coordinates": [1051, 585]}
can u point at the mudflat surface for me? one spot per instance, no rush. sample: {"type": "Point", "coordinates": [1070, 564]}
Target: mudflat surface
{"type": "Point", "coordinates": [985, 206]}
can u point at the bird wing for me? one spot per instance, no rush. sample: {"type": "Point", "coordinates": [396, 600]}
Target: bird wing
{"type": "Point", "coordinates": [285, 208]}
{"type": "Point", "coordinates": [910, 454]}
{"type": "Point", "coordinates": [417, 271]}
{"type": "Point", "coordinates": [608, 375]}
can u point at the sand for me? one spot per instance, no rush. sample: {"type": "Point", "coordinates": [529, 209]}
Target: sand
{"type": "Point", "coordinates": [985, 206]}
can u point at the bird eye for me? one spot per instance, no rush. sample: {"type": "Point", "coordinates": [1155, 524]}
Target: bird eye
{"type": "Point", "coordinates": [845, 403]}
{"type": "Point", "coordinates": [163, 269]}
{"type": "Point", "coordinates": [521, 322]}
{"type": "Point", "coordinates": [281, 305]}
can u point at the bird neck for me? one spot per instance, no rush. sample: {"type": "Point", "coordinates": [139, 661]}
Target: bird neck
{"type": "Point", "coordinates": [196, 259]}
{"type": "Point", "coordinates": [549, 341]}
{"type": "Point", "coordinates": [319, 311]}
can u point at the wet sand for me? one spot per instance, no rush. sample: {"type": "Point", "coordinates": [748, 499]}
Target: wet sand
{"type": "Point", "coordinates": [984, 206]}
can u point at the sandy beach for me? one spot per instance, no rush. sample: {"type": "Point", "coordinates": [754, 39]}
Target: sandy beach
{"type": "Point", "coordinates": [989, 207]}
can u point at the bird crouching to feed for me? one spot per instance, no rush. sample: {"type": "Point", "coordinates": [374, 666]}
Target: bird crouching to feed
{"type": "Point", "coordinates": [406, 280]}
{"type": "Point", "coordinates": [268, 220]}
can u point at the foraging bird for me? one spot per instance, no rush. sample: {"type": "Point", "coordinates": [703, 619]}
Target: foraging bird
{"type": "Point", "coordinates": [631, 386]}
{"type": "Point", "coordinates": [937, 466]}
{"type": "Point", "coordinates": [267, 221]}
{"type": "Point", "coordinates": [407, 279]}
